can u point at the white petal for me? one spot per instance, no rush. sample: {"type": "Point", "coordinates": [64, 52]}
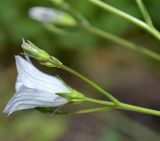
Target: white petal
{"type": "Point", "coordinates": [28, 98]}
{"type": "Point", "coordinates": [43, 14]}
{"type": "Point", "coordinates": [31, 77]}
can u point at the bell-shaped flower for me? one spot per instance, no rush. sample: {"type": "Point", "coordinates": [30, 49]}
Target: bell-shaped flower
{"type": "Point", "coordinates": [35, 89]}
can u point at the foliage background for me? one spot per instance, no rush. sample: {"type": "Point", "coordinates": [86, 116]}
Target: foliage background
{"type": "Point", "coordinates": [130, 76]}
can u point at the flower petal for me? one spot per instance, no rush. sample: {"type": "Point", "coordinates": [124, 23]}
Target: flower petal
{"type": "Point", "coordinates": [31, 77]}
{"type": "Point", "coordinates": [28, 98]}
{"type": "Point", "coordinates": [43, 14]}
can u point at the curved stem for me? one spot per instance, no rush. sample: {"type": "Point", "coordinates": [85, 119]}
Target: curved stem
{"type": "Point", "coordinates": [124, 106]}
{"type": "Point", "coordinates": [123, 42]}
{"type": "Point", "coordinates": [109, 36]}
{"type": "Point", "coordinates": [128, 17]}
{"type": "Point", "coordinates": [101, 90]}
{"type": "Point", "coordinates": [144, 12]}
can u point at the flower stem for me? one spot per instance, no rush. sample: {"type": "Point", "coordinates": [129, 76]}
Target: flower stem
{"type": "Point", "coordinates": [144, 12]}
{"type": "Point", "coordinates": [139, 109]}
{"type": "Point", "coordinates": [128, 17]}
{"type": "Point", "coordinates": [85, 111]}
{"type": "Point", "coordinates": [124, 106]}
{"type": "Point", "coordinates": [83, 23]}
{"type": "Point", "coordinates": [101, 90]}
{"type": "Point", "coordinates": [123, 42]}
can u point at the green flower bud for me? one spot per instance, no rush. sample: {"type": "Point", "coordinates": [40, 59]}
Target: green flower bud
{"type": "Point", "coordinates": [35, 52]}
{"type": "Point", "coordinates": [43, 57]}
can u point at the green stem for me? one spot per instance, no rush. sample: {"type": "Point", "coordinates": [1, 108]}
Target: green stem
{"type": "Point", "coordinates": [123, 42]}
{"type": "Point", "coordinates": [128, 17]}
{"type": "Point", "coordinates": [124, 106]}
{"type": "Point", "coordinates": [101, 90]}
{"type": "Point", "coordinates": [144, 12]}
{"type": "Point", "coordinates": [93, 110]}
{"type": "Point", "coordinates": [139, 109]}
{"type": "Point", "coordinates": [108, 107]}
{"type": "Point", "coordinates": [101, 102]}
{"type": "Point", "coordinates": [86, 25]}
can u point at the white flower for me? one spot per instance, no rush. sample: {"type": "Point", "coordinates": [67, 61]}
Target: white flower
{"type": "Point", "coordinates": [35, 89]}
{"type": "Point", "coordinates": [50, 15]}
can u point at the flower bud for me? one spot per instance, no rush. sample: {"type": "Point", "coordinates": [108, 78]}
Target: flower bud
{"type": "Point", "coordinates": [35, 52]}
{"type": "Point", "coordinates": [43, 57]}
{"type": "Point", "coordinates": [49, 15]}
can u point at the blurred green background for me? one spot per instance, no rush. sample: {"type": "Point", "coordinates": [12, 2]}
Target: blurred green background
{"type": "Point", "coordinates": [131, 77]}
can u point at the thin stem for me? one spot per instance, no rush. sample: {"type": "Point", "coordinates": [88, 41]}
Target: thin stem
{"type": "Point", "coordinates": [128, 17]}
{"type": "Point", "coordinates": [109, 36]}
{"type": "Point", "coordinates": [101, 102]}
{"type": "Point", "coordinates": [93, 110]}
{"type": "Point", "coordinates": [81, 19]}
{"type": "Point", "coordinates": [123, 42]}
{"type": "Point", "coordinates": [108, 107]}
{"type": "Point", "coordinates": [139, 109]}
{"type": "Point", "coordinates": [101, 90]}
{"type": "Point", "coordinates": [124, 106]}
{"type": "Point", "coordinates": [144, 12]}
{"type": "Point", "coordinates": [83, 23]}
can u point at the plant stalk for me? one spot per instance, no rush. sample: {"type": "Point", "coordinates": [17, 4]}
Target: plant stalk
{"type": "Point", "coordinates": [144, 12]}
{"type": "Point", "coordinates": [124, 106]}
{"type": "Point", "coordinates": [85, 111]}
{"type": "Point", "coordinates": [128, 17]}
{"type": "Point", "coordinates": [83, 23]}
{"type": "Point", "coordinates": [123, 42]}
{"type": "Point", "coordinates": [82, 77]}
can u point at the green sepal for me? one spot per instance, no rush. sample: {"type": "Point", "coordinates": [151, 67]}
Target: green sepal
{"type": "Point", "coordinates": [73, 97]}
